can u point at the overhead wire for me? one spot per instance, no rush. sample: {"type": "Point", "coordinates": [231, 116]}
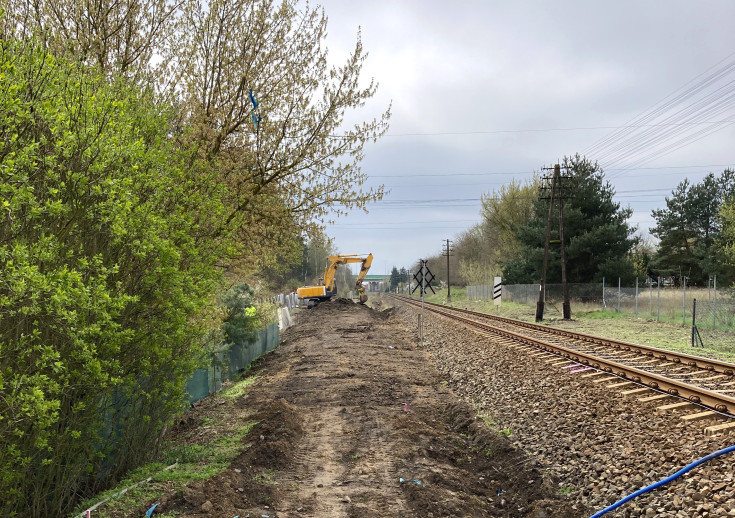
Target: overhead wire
{"type": "Point", "coordinates": [687, 115]}
{"type": "Point", "coordinates": [413, 203]}
{"type": "Point", "coordinates": [695, 112]}
{"type": "Point", "coordinates": [516, 173]}
{"type": "Point", "coordinates": [644, 141]}
{"type": "Point", "coordinates": [522, 130]}
{"type": "Point", "coordinates": [659, 107]}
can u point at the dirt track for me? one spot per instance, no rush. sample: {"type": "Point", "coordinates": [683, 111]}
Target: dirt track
{"type": "Point", "coordinates": [347, 407]}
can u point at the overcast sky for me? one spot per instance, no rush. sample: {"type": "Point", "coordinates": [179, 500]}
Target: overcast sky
{"type": "Point", "coordinates": [487, 91]}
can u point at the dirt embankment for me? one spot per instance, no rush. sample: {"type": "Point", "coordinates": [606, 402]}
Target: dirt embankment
{"type": "Point", "coordinates": [354, 421]}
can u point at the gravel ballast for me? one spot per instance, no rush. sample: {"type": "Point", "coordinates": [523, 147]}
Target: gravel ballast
{"type": "Point", "coordinates": [601, 445]}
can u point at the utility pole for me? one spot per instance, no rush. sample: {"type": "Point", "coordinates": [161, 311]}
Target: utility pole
{"type": "Point", "coordinates": [556, 183]}
{"type": "Point", "coordinates": [566, 307]}
{"type": "Point", "coordinates": [448, 252]}
{"type": "Point", "coordinates": [542, 287]}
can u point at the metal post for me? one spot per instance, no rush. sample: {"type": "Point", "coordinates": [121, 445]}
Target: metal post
{"type": "Point", "coordinates": [714, 304]}
{"type": "Point", "coordinates": [658, 310]}
{"type": "Point", "coordinates": [423, 289]}
{"type": "Point", "coordinates": [636, 296]}
{"type": "Point", "coordinates": [694, 319]}
{"type": "Point", "coordinates": [603, 294]}
{"type": "Point", "coordinates": [684, 303]}
{"type": "Point", "coordinates": [449, 285]}
{"type": "Point", "coordinates": [618, 294]}
{"type": "Point", "coordinates": [650, 296]}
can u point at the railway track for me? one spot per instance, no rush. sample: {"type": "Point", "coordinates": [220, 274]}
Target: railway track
{"type": "Point", "coordinates": [694, 380]}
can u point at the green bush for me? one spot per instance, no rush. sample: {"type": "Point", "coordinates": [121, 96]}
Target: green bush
{"type": "Point", "coordinates": [105, 258]}
{"type": "Point", "coordinates": [240, 314]}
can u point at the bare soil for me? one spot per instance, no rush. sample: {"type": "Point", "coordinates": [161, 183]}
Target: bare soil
{"type": "Point", "coordinates": [355, 421]}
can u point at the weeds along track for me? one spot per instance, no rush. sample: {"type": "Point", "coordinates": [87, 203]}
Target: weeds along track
{"type": "Point", "coordinates": [695, 380]}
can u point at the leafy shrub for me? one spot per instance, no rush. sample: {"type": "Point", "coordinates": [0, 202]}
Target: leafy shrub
{"type": "Point", "coordinates": [106, 256]}
{"type": "Point", "coordinates": [240, 314]}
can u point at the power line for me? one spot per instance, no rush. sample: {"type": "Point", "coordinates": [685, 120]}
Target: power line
{"type": "Point", "coordinates": [511, 173]}
{"type": "Point", "coordinates": [634, 193]}
{"type": "Point", "coordinates": [536, 130]}
{"type": "Point", "coordinates": [406, 228]}
{"type": "Point", "coordinates": [656, 109]}
{"type": "Point", "coordinates": [685, 116]}
{"type": "Point", "coordinates": [661, 105]}
{"type": "Point", "coordinates": [422, 222]}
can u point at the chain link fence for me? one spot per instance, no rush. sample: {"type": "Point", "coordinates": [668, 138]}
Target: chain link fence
{"type": "Point", "coordinates": [715, 315]}
{"type": "Point", "coordinates": [528, 293]}
{"type": "Point", "coordinates": [715, 306]}
{"type": "Point", "coordinates": [714, 311]}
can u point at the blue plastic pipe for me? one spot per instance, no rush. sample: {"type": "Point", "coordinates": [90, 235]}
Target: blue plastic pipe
{"type": "Point", "coordinates": [664, 481]}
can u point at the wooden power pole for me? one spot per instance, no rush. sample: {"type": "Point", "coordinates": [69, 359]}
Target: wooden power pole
{"type": "Point", "coordinates": [542, 287]}
{"type": "Point", "coordinates": [448, 251]}
{"type": "Point", "coordinates": [556, 183]}
{"type": "Point", "coordinates": [566, 308]}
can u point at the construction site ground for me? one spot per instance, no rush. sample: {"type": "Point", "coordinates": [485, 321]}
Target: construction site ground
{"type": "Point", "coordinates": [354, 420]}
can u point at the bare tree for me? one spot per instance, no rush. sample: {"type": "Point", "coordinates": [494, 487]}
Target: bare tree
{"type": "Point", "coordinates": [294, 147]}
{"type": "Point", "coordinates": [120, 36]}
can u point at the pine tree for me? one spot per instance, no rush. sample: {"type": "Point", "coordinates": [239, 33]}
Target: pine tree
{"type": "Point", "coordinates": [597, 237]}
{"type": "Point", "coordinates": [689, 227]}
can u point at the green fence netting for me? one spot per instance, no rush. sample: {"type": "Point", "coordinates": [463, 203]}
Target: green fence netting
{"type": "Point", "coordinates": [227, 362]}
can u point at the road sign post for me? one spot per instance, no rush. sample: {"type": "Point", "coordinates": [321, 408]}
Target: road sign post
{"type": "Point", "coordinates": [423, 280]}
{"type": "Point", "coordinates": [423, 290]}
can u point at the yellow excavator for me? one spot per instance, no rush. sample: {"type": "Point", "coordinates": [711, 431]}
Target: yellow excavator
{"type": "Point", "coordinates": [328, 289]}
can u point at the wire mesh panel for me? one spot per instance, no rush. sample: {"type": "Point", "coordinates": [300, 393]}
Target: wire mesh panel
{"type": "Point", "coordinates": [479, 292]}
{"type": "Point", "coordinates": [719, 315]}
{"type": "Point", "coordinates": [648, 301]}
{"type": "Point", "coordinates": [521, 293]}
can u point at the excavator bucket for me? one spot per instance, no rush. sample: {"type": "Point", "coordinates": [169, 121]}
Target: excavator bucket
{"type": "Point", "coordinates": [363, 298]}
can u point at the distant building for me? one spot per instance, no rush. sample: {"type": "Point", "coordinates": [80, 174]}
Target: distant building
{"type": "Point", "coordinates": [376, 283]}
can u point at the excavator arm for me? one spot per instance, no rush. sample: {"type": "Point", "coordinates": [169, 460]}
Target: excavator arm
{"type": "Point", "coordinates": [361, 276]}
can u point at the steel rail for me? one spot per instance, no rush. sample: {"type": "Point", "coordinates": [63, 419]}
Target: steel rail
{"type": "Point", "coordinates": [689, 360]}
{"type": "Point", "coordinates": [701, 396]}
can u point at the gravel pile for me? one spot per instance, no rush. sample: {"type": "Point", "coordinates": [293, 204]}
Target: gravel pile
{"type": "Point", "coordinates": [602, 446]}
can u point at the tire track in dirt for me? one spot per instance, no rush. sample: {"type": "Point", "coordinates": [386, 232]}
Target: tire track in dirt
{"type": "Point", "coordinates": [344, 465]}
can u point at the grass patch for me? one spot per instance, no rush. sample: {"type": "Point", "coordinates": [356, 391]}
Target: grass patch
{"type": "Point", "coordinates": [493, 426]}
{"type": "Point", "coordinates": [238, 389]}
{"type": "Point", "coordinates": [266, 477]}
{"type": "Point", "coordinates": [566, 490]}
{"type": "Point", "coordinates": [195, 462]}
{"type": "Point", "coordinates": [130, 499]}
{"type": "Point", "coordinates": [644, 329]}
{"type": "Point", "coordinates": [602, 314]}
